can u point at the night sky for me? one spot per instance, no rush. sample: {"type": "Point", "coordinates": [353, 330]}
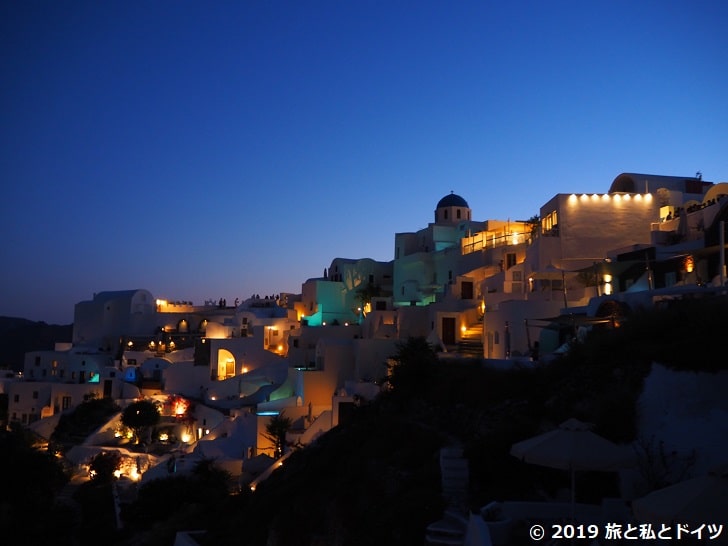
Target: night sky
{"type": "Point", "coordinates": [220, 149]}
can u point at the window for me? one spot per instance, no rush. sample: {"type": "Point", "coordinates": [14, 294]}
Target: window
{"type": "Point", "coordinates": [37, 361]}
{"type": "Point", "coordinates": [445, 214]}
{"type": "Point", "coordinates": [16, 398]}
{"type": "Point", "coordinates": [35, 395]}
{"type": "Point", "coordinates": [549, 224]}
{"type": "Point", "coordinates": [510, 260]}
{"type": "Point", "coordinates": [66, 402]}
{"type": "Point", "coordinates": [458, 214]}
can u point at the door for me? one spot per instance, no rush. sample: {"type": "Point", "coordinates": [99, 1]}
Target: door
{"type": "Point", "coordinates": [448, 330]}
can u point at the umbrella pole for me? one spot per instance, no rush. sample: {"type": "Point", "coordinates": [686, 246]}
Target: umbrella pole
{"type": "Point", "coordinates": [573, 495]}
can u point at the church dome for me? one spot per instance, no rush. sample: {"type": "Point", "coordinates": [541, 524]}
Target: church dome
{"type": "Point", "coordinates": [452, 200]}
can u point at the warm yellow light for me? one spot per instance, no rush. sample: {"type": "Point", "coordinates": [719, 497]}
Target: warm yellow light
{"type": "Point", "coordinates": [163, 437]}
{"type": "Point", "coordinates": [638, 197]}
{"type": "Point", "coordinates": [130, 344]}
{"type": "Point", "coordinates": [117, 474]}
{"type": "Point", "coordinates": [171, 344]}
{"type": "Point", "coordinates": [617, 197]}
{"type": "Point", "coordinates": [627, 197]}
{"type": "Point", "coordinates": [346, 323]}
{"type": "Point", "coordinates": [605, 197]}
{"type": "Point", "coordinates": [280, 347]}
{"type": "Point", "coordinates": [186, 437]}
{"type": "Point", "coordinates": [607, 278]}
{"type": "Point", "coordinates": [648, 196]}
{"type": "Point", "coordinates": [324, 323]}
{"type": "Point", "coordinates": [207, 431]}
{"type": "Point", "coordinates": [244, 370]}
{"type": "Point", "coordinates": [584, 197]}
{"type": "Point", "coordinates": [463, 328]}
{"type": "Point", "coordinates": [514, 239]}
{"type": "Point", "coordinates": [572, 198]}
{"type": "Point", "coordinates": [689, 264]}
{"type": "Point", "coordinates": [161, 302]}
{"type": "Point", "coordinates": [595, 197]}
{"type": "Point", "coordinates": [252, 487]}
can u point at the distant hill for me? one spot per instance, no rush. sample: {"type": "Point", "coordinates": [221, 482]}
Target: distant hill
{"type": "Point", "coordinates": [19, 336]}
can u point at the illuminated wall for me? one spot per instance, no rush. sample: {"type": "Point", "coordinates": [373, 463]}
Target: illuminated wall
{"type": "Point", "coordinates": [324, 301]}
{"type": "Point", "coordinates": [590, 225]}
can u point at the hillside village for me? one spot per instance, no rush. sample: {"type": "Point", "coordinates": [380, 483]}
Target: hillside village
{"type": "Point", "coordinates": [495, 293]}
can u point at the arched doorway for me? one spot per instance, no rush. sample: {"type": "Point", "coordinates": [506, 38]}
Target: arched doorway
{"type": "Point", "coordinates": [225, 364]}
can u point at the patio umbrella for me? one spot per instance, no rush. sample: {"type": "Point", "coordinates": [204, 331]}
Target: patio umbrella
{"type": "Point", "coordinates": [698, 500]}
{"type": "Point", "coordinates": [573, 447]}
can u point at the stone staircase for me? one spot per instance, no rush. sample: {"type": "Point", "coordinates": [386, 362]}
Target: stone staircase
{"type": "Point", "coordinates": [471, 342]}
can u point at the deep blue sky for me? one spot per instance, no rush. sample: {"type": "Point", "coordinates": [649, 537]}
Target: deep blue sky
{"type": "Point", "coordinates": [220, 149]}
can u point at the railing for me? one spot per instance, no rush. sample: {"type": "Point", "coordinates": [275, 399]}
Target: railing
{"type": "Point", "coordinates": [484, 241]}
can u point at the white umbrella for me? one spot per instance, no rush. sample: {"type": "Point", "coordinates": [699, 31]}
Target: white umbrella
{"type": "Point", "coordinates": [698, 500]}
{"type": "Point", "coordinates": [572, 447]}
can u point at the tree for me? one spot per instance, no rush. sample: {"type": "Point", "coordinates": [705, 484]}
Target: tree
{"type": "Point", "coordinates": [103, 466]}
{"type": "Point", "coordinates": [414, 367]}
{"type": "Point", "coordinates": [276, 430]}
{"type": "Point", "coordinates": [140, 416]}
{"type": "Point", "coordinates": [365, 294]}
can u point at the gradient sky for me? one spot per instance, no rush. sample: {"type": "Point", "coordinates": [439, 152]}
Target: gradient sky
{"type": "Point", "coordinates": [220, 149]}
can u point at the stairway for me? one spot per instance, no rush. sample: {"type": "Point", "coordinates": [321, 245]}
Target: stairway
{"type": "Point", "coordinates": [471, 342]}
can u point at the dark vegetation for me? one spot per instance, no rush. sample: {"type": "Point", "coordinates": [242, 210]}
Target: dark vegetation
{"type": "Point", "coordinates": [30, 480]}
{"type": "Point", "coordinates": [19, 336]}
{"type": "Point", "coordinates": [74, 427]}
{"type": "Point", "coordinates": [140, 416]}
{"type": "Point", "coordinates": [185, 501]}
